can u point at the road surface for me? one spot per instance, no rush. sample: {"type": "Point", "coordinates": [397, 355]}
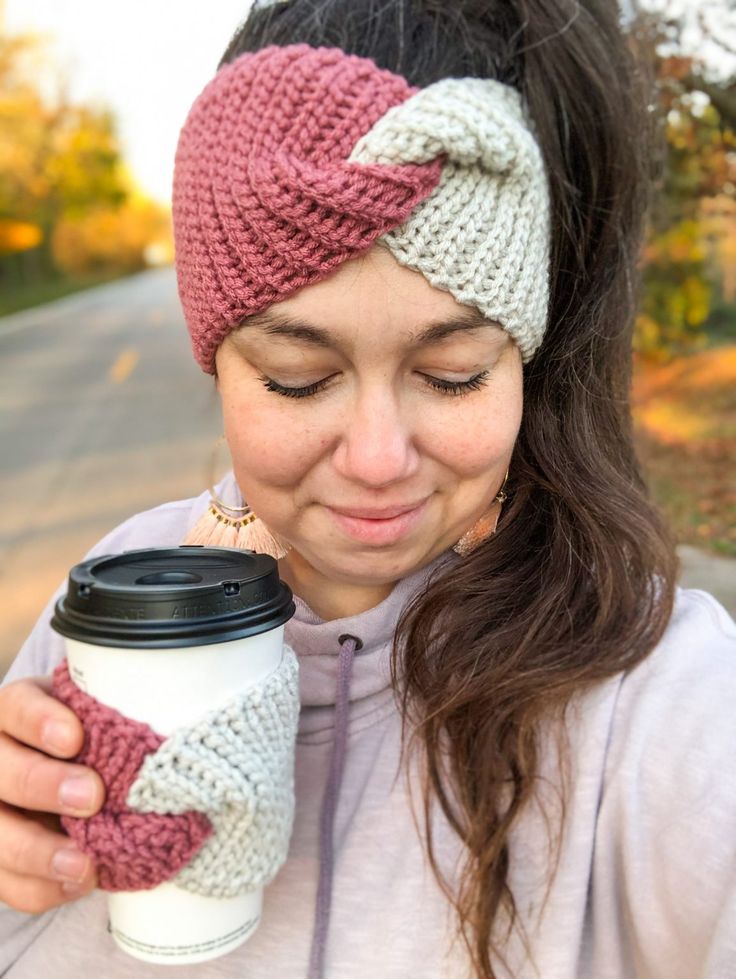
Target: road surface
{"type": "Point", "coordinates": [103, 412]}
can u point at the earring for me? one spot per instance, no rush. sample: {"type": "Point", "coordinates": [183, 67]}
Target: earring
{"type": "Point", "coordinates": [224, 525]}
{"type": "Point", "coordinates": [484, 527]}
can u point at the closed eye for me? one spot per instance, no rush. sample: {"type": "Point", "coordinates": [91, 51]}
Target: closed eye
{"type": "Point", "coordinates": [436, 383]}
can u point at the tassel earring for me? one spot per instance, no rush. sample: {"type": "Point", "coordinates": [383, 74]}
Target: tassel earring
{"type": "Point", "coordinates": [223, 525]}
{"type": "Point", "coordinates": [484, 527]}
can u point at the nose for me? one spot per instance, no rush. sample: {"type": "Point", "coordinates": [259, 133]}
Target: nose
{"type": "Point", "coordinates": [377, 447]}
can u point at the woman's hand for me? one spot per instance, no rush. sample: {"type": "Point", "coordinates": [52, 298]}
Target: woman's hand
{"type": "Point", "coordinates": [40, 866]}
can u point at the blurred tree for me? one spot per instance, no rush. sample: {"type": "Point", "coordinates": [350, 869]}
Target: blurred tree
{"type": "Point", "coordinates": [56, 158]}
{"type": "Point", "coordinates": [103, 239]}
{"type": "Point", "coordinates": [697, 108]}
{"type": "Point", "coordinates": [68, 203]}
{"type": "Point", "coordinates": [18, 236]}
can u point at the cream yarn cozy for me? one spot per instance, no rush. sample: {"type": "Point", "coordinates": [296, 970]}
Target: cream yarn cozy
{"type": "Point", "coordinates": [235, 765]}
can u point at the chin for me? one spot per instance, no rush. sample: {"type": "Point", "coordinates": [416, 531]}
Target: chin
{"type": "Point", "coordinates": [370, 566]}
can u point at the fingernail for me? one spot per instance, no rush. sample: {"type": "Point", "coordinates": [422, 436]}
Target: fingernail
{"type": "Point", "coordinates": [70, 864]}
{"type": "Point", "coordinates": [57, 736]}
{"type": "Point", "coordinates": [78, 793]}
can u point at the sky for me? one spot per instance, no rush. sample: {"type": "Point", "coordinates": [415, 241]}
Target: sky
{"type": "Point", "coordinates": [149, 59]}
{"type": "Point", "coordinates": [146, 59]}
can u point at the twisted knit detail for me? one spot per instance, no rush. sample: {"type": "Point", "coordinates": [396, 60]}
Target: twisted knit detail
{"type": "Point", "coordinates": [237, 766]}
{"type": "Point", "coordinates": [483, 233]}
{"type": "Point", "coordinates": [133, 851]}
{"type": "Point", "coordinates": [295, 159]}
{"type": "Point", "coordinates": [209, 808]}
{"type": "Point", "coordinates": [265, 200]}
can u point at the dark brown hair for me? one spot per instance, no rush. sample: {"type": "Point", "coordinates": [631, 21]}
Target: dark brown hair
{"type": "Point", "coordinates": [577, 583]}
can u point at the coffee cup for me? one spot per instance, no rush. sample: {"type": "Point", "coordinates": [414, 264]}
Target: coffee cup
{"type": "Point", "coordinates": [165, 637]}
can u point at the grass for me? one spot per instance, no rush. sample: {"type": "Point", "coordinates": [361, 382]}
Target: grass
{"type": "Point", "coordinates": [685, 422]}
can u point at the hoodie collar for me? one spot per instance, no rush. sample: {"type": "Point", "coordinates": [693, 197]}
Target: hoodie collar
{"type": "Point", "coordinates": [317, 643]}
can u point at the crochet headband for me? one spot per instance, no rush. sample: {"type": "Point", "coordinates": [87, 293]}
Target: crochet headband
{"type": "Point", "coordinates": [295, 159]}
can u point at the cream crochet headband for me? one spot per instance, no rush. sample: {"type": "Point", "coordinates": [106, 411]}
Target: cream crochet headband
{"type": "Point", "coordinates": [295, 159]}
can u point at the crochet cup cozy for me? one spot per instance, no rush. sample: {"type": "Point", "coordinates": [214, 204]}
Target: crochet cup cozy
{"type": "Point", "coordinates": [209, 808]}
{"type": "Point", "coordinates": [295, 159]}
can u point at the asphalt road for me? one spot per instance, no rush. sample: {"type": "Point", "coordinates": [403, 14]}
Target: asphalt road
{"type": "Point", "coordinates": [103, 413]}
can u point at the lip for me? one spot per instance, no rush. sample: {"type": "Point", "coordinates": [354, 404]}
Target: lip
{"type": "Point", "coordinates": [367, 513]}
{"type": "Point", "coordinates": [392, 524]}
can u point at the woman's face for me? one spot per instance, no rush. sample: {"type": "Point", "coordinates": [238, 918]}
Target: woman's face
{"type": "Point", "coordinates": [341, 411]}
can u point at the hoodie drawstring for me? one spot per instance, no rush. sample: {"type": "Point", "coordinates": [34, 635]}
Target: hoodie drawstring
{"type": "Point", "coordinates": [349, 645]}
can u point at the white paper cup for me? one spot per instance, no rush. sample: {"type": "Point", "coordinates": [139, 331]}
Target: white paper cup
{"type": "Point", "coordinates": [166, 688]}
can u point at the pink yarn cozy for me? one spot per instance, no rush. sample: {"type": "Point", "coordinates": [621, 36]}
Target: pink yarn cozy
{"type": "Point", "coordinates": [264, 198]}
{"type": "Point", "coordinates": [133, 850]}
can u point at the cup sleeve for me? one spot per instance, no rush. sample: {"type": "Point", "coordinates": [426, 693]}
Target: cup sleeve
{"type": "Point", "coordinates": [236, 766]}
{"type": "Point", "coordinates": [210, 807]}
{"type": "Point", "coordinates": [132, 850]}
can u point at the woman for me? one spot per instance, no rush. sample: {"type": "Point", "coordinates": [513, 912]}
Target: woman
{"type": "Point", "coordinates": [407, 236]}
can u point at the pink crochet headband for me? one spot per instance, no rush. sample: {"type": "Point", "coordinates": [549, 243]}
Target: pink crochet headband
{"type": "Point", "coordinates": [295, 159]}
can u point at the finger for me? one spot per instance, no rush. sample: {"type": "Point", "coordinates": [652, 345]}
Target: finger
{"type": "Point", "coordinates": [31, 850]}
{"type": "Point", "coordinates": [48, 819]}
{"type": "Point", "coordinates": [31, 780]}
{"type": "Point", "coordinates": [34, 895]}
{"type": "Point", "coordinates": [31, 715]}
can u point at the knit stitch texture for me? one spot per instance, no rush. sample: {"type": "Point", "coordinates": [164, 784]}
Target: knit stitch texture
{"type": "Point", "coordinates": [295, 159]}
{"type": "Point", "coordinates": [483, 234]}
{"type": "Point", "coordinates": [209, 808]}
{"type": "Point", "coordinates": [132, 850]}
{"type": "Point", "coordinates": [265, 200]}
{"type": "Point", "coordinates": [237, 766]}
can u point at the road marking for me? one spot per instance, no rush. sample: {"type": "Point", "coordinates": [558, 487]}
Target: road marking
{"type": "Point", "coordinates": [124, 365]}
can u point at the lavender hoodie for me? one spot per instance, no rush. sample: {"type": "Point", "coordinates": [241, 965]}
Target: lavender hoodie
{"type": "Point", "coordinates": [645, 887]}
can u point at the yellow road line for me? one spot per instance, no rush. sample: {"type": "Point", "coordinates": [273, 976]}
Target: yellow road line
{"type": "Point", "coordinates": [124, 365]}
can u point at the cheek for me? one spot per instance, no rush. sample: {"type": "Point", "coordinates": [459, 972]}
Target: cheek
{"type": "Point", "coordinates": [473, 440]}
{"type": "Point", "coordinates": [270, 446]}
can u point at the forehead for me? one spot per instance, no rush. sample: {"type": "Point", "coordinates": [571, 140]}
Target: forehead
{"type": "Point", "coordinates": [374, 281]}
{"type": "Point", "coordinates": [370, 298]}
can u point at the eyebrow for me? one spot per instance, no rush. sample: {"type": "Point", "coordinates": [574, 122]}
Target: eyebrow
{"type": "Point", "coordinates": [281, 325]}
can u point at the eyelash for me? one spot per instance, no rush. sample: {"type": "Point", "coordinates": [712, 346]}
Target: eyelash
{"type": "Point", "coordinates": [456, 388]}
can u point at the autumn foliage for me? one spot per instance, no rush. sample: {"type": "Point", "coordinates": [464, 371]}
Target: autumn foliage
{"type": "Point", "coordinates": [685, 413]}
{"type": "Point", "coordinates": [684, 385]}
{"type": "Point", "coordinates": [683, 261]}
{"type": "Point", "coordinates": [68, 204]}
{"type": "Point", "coordinates": [109, 239]}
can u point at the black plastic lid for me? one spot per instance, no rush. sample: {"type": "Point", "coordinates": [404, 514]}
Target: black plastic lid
{"type": "Point", "coordinates": [173, 596]}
